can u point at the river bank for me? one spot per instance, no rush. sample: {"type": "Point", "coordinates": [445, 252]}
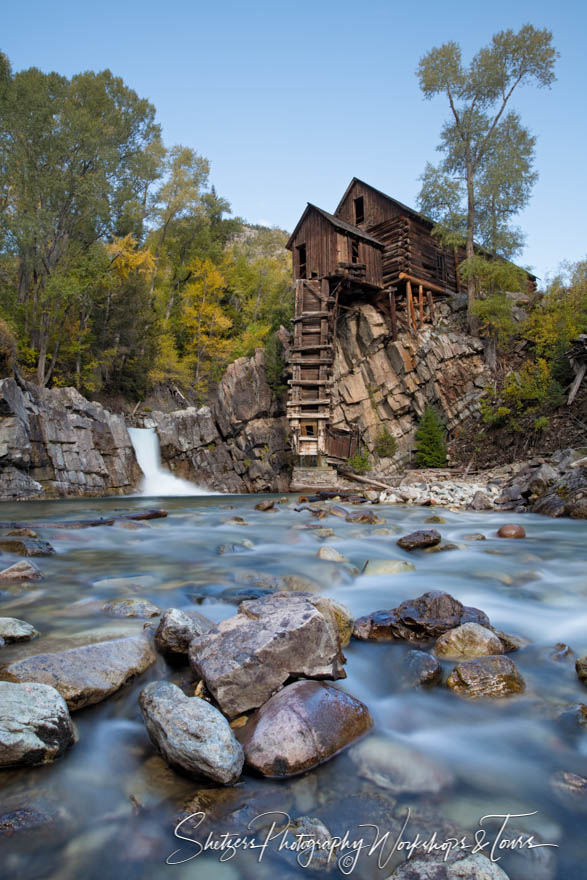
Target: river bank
{"type": "Point", "coordinates": [109, 806]}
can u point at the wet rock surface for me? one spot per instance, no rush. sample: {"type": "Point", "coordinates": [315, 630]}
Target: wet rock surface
{"type": "Point", "coordinates": [26, 547]}
{"type": "Point", "coordinates": [20, 571]}
{"type": "Point", "coordinates": [426, 617]}
{"type": "Point", "coordinates": [87, 674]}
{"type": "Point", "coordinates": [14, 630]}
{"type": "Point", "coordinates": [420, 540]}
{"type": "Point", "coordinates": [495, 676]}
{"type": "Point", "coordinates": [399, 769]}
{"type": "Point", "coordinates": [461, 867]}
{"type": "Point", "coordinates": [177, 628]}
{"type": "Point", "coordinates": [301, 726]}
{"type": "Point", "coordinates": [581, 669]}
{"type": "Point", "coordinates": [467, 641]}
{"type": "Point", "coordinates": [35, 725]}
{"type": "Point", "coordinates": [267, 642]}
{"type": "Point", "coordinates": [131, 608]}
{"type": "Point", "coordinates": [421, 669]}
{"type": "Point", "coordinates": [512, 530]}
{"type": "Point", "coordinates": [190, 733]}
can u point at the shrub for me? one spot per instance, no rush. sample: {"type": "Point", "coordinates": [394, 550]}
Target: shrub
{"type": "Point", "coordinates": [7, 349]}
{"type": "Point", "coordinates": [430, 440]}
{"type": "Point", "coordinates": [541, 423]}
{"type": "Point", "coordinates": [385, 444]}
{"type": "Point", "coordinates": [360, 462]}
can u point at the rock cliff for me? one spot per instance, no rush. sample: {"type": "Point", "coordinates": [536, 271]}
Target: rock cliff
{"type": "Point", "coordinates": [54, 442]}
{"type": "Point", "coordinates": [238, 444]}
{"type": "Point", "coordinates": [381, 383]}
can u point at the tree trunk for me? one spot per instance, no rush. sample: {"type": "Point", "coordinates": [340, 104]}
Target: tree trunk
{"type": "Point", "coordinates": [470, 249]}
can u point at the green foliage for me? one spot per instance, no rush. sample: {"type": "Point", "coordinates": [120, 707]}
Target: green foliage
{"type": "Point", "coordinates": [274, 363]}
{"type": "Point", "coordinates": [486, 175]}
{"type": "Point", "coordinates": [385, 444]}
{"type": "Point", "coordinates": [527, 394]}
{"type": "Point", "coordinates": [360, 462]}
{"type": "Point", "coordinates": [495, 317]}
{"type": "Point", "coordinates": [431, 440]}
{"type": "Point", "coordinates": [8, 348]}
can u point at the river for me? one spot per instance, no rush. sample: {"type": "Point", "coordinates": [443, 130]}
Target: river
{"type": "Point", "coordinates": [111, 804]}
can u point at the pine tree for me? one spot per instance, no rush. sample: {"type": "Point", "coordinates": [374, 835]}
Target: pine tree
{"type": "Point", "coordinates": [430, 440]}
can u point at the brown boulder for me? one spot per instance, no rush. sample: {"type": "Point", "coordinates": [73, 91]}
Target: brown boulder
{"type": "Point", "coordinates": [426, 617]}
{"type": "Point", "coordinates": [581, 668]}
{"type": "Point", "coordinates": [420, 540]}
{"type": "Point", "coordinates": [495, 676]}
{"type": "Point", "coordinates": [252, 654]}
{"type": "Point", "coordinates": [303, 725]}
{"type": "Point", "coordinates": [512, 530]}
{"type": "Point", "coordinates": [26, 547]}
{"type": "Point", "coordinates": [20, 571]}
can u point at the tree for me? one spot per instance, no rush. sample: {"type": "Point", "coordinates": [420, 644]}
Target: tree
{"type": "Point", "coordinates": [76, 160]}
{"type": "Point", "coordinates": [430, 440]}
{"type": "Point", "coordinates": [486, 175]}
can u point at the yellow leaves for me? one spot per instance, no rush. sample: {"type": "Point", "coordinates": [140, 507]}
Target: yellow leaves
{"type": "Point", "coordinates": [126, 258]}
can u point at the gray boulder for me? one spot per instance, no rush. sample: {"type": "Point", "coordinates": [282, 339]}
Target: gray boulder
{"type": "Point", "coordinates": [190, 733]}
{"type": "Point", "coordinates": [177, 629]}
{"type": "Point", "coordinates": [14, 630]}
{"type": "Point", "coordinates": [87, 674]}
{"type": "Point", "coordinates": [35, 725]}
{"type": "Point", "coordinates": [270, 640]}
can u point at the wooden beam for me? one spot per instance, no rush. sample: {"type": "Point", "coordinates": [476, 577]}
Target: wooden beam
{"type": "Point", "coordinates": [577, 383]}
{"type": "Point", "coordinates": [393, 308]}
{"type": "Point", "coordinates": [430, 305]}
{"type": "Point", "coordinates": [404, 276]}
{"type": "Point", "coordinates": [421, 304]}
{"type": "Point", "coordinates": [411, 310]}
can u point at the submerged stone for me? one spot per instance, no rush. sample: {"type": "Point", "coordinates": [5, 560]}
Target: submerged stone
{"type": "Point", "coordinates": [398, 768]}
{"type": "Point", "coordinates": [26, 547]}
{"type": "Point", "coordinates": [20, 571]}
{"type": "Point", "coordinates": [420, 540]}
{"type": "Point", "coordinates": [14, 630]}
{"type": "Point", "coordinates": [131, 608]}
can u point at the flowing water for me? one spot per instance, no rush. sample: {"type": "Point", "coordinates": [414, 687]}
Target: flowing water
{"type": "Point", "coordinates": [157, 480]}
{"type": "Point", "coordinates": [109, 807]}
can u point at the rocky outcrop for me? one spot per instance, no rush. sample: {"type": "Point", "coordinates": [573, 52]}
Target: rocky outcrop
{"type": "Point", "coordinates": [554, 487]}
{"type": "Point", "coordinates": [190, 733]}
{"type": "Point", "coordinates": [302, 726]}
{"type": "Point", "coordinates": [238, 443]}
{"type": "Point", "coordinates": [381, 383]}
{"type": "Point", "coordinates": [35, 726]}
{"type": "Point", "coordinates": [54, 442]}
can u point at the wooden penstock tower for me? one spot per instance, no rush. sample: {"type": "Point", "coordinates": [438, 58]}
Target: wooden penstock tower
{"type": "Point", "coordinates": [372, 249]}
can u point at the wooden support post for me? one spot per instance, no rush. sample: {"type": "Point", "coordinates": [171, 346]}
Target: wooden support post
{"type": "Point", "coordinates": [421, 304]}
{"type": "Point", "coordinates": [411, 311]}
{"type": "Point", "coordinates": [393, 308]}
{"type": "Point", "coordinates": [430, 305]}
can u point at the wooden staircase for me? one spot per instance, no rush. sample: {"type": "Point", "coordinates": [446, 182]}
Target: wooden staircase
{"type": "Point", "coordinates": [311, 357]}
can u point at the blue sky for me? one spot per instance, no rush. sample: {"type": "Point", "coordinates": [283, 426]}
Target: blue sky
{"type": "Point", "coordinates": [289, 101]}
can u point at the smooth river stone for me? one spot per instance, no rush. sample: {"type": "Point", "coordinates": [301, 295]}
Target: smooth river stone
{"type": "Point", "coordinates": [26, 547]}
{"type": "Point", "coordinates": [131, 608]}
{"type": "Point", "coordinates": [512, 530]}
{"type": "Point", "coordinates": [303, 725]}
{"type": "Point", "coordinates": [270, 640]}
{"type": "Point", "coordinates": [495, 676]}
{"type": "Point", "coordinates": [387, 566]}
{"type": "Point", "coordinates": [468, 641]}
{"type": "Point", "coordinates": [35, 725]}
{"type": "Point", "coordinates": [14, 630]}
{"type": "Point", "coordinates": [330, 554]}
{"type": "Point", "coordinates": [421, 669]}
{"type": "Point", "coordinates": [87, 674]}
{"type": "Point", "coordinates": [190, 733]}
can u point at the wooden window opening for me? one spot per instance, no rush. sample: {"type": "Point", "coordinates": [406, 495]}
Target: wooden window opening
{"type": "Point", "coordinates": [359, 211]}
{"type": "Point", "coordinates": [308, 429]}
{"type": "Point", "coordinates": [354, 250]}
{"type": "Point", "coordinates": [302, 271]}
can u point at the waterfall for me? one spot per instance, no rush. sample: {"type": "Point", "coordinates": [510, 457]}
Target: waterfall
{"type": "Point", "coordinates": [156, 479]}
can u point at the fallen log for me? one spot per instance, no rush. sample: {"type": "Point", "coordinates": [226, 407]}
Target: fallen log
{"type": "Point", "coordinates": [85, 523]}
{"type": "Point", "coordinates": [376, 484]}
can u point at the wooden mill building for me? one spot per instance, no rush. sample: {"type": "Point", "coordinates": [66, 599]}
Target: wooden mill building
{"type": "Point", "coordinates": [373, 248]}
